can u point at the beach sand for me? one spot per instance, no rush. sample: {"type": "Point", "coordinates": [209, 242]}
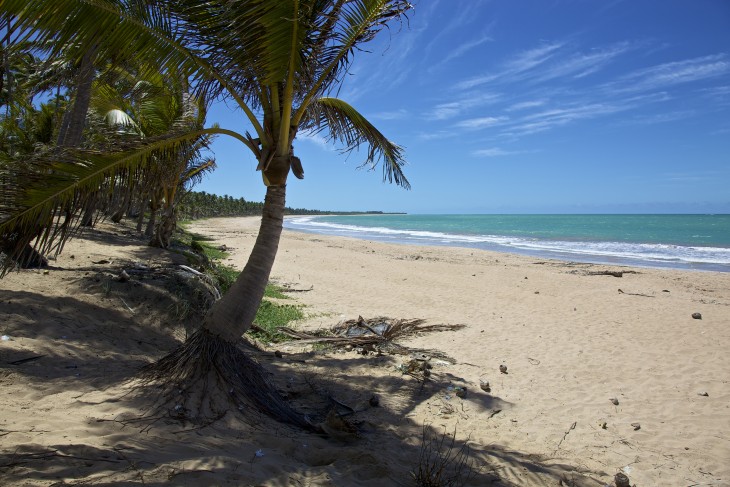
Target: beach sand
{"type": "Point", "coordinates": [574, 343]}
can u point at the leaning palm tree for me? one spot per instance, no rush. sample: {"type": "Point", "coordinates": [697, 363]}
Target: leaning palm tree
{"type": "Point", "coordinates": [277, 61]}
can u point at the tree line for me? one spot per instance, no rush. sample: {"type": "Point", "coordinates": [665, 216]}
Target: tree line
{"type": "Point", "coordinates": [199, 204]}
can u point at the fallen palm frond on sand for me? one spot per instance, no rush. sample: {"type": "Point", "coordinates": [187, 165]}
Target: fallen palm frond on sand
{"type": "Point", "coordinates": [374, 335]}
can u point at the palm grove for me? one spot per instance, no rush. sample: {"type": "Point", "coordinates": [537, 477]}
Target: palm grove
{"type": "Point", "coordinates": [127, 83]}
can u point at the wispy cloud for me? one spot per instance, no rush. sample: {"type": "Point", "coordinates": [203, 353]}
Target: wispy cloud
{"type": "Point", "coordinates": [521, 63]}
{"type": "Point", "coordinates": [460, 50]}
{"type": "Point", "coordinates": [391, 115]}
{"type": "Point", "coordinates": [315, 139]}
{"type": "Point", "coordinates": [480, 123]}
{"type": "Point", "coordinates": [464, 103]}
{"type": "Point", "coordinates": [549, 119]}
{"type": "Point", "coordinates": [437, 135]}
{"type": "Point", "coordinates": [526, 105]}
{"type": "Point", "coordinates": [495, 152]}
{"type": "Point", "coordinates": [668, 74]}
{"type": "Point", "coordinates": [580, 65]}
{"type": "Point", "coordinates": [659, 118]}
{"type": "Point", "coordinates": [574, 112]}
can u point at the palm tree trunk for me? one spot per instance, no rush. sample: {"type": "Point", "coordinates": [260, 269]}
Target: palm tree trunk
{"type": "Point", "coordinates": [150, 230]}
{"type": "Point", "coordinates": [72, 125]}
{"type": "Point", "coordinates": [231, 316]}
{"type": "Point", "coordinates": [209, 373]}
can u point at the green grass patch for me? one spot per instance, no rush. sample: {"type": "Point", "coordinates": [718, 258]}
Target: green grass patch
{"type": "Point", "coordinates": [274, 291]}
{"type": "Point", "coordinates": [271, 316]}
{"type": "Point", "coordinates": [211, 252]}
{"type": "Point", "coordinates": [224, 275]}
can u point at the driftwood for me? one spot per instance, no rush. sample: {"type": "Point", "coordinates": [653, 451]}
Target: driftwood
{"type": "Point", "coordinates": [379, 333]}
{"type": "Point", "coordinates": [611, 273]}
{"type": "Point", "coordinates": [621, 291]}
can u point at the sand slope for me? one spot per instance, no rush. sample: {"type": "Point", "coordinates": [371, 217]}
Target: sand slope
{"type": "Point", "coordinates": [570, 340]}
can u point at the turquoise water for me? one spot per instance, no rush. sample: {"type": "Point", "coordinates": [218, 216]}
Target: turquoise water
{"type": "Point", "coordinates": [677, 241]}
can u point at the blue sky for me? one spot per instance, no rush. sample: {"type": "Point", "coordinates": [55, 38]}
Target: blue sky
{"type": "Point", "coordinates": [517, 106]}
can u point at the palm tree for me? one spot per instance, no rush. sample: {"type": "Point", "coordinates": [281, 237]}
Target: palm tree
{"type": "Point", "coordinates": [277, 60]}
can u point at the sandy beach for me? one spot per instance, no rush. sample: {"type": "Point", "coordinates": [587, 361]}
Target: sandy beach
{"type": "Point", "coordinates": [604, 374]}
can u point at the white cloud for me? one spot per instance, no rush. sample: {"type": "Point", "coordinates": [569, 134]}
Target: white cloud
{"type": "Point", "coordinates": [480, 123]}
{"type": "Point", "coordinates": [522, 62]}
{"type": "Point", "coordinates": [437, 135]}
{"type": "Point", "coordinates": [315, 139]}
{"type": "Point", "coordinates": [464, 103]}
{"type": "Point", "coordinates": [494, 152]}
{"type": "Point", "coordinates": [446, 110]}
{"type": "Point", "coordinates": [659, 118]}
{"type": "Point", "coordinates": [581, 65]}
{"type": "Point", "coordinates": [462, 49]}
{"type": "Point", "coordinates": [392, 115]}
{"type": "Point", "coordinates": [525, 105]}
{"type": "Point", "coordinates": [668, 74]}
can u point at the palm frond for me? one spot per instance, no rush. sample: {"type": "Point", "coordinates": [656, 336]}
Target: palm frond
{"type": "Point", "coordinates": [347, 126]}
{"type": "Point", "coordinates": [41, 198]}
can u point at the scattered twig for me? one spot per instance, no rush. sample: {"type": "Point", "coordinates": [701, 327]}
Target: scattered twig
{"type": "Point", "coordinates": [607, 273]}
{"type": "Point", "coordinates": [572, 427]}
{"type": "Point", "coordinates": [292, 290]}
{"type": "Point", "coordinates": [125, 304]}
{"type": "Point", "coordinates": [26, 360]}
{"type": "Point", "coordinates": [621, 291]}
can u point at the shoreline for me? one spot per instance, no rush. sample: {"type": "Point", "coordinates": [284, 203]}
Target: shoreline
{"type": "Point", "coordinates": [575, 256]}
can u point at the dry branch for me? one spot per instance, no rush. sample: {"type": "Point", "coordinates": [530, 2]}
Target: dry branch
{"type": "Point", "coordinates": [380, 333]}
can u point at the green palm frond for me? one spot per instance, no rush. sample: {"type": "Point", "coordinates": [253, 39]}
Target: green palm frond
{"type": "Point", "coordinates": [357, 22]}
{"type": "Point", "coordinates": [153, 35]}
{"type": "Point", "coordinates": [41, 199]}
{"type": "Point", "coordinates": [347, 126]}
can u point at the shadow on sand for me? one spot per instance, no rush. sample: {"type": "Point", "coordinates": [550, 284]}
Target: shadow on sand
{"type": "Point", "coordinates": [103, 346]}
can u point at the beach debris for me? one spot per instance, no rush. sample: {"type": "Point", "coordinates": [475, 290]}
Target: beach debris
{"type": "Point", "coordinates": [697, 316]}
{"type": "Point", "coordinates": [621, 291]}
{"type": "Point", "coordinates": [636, 426]}
{"type": "Point", "coordinates": [336, 427]}
{"type": "Point", "coordinates": [603, 425]}
{"type": "Point", "coordinates": [572, 427]}
{"type": "Point", "coordinates": [607, 273]}
{"type": "Point", "coordinates": [460, 391]}
{"type": "Point", "coordinates": [376, 335]}
{"type": "Point", "coordinates": [374, 401]}
{"type": "Point", "coordinates": [621, 480]}
{"type": "Point", "coordinates": [417, 368]}
{"type": "Point", "coordinates": [484, 385]}
{"type": "Point", "coordinates": [26, 360]}
{"type": "Point", "coordinates": [614, 401]}
{"type": "Point", "coordinates": [259, 453]}
{"type": "Point", "coordinates": [705, 394]}
{"type": "Point", "coordinates": [5, 338]}
{"type": "Point", "coordinates": [503, 369]}
{"type": "Point", "coordinates": [123, 276]}
{"type": "Point", "coordinates": [533, 361]}
{"type": "Point", "coordinates": [493, 413]}
{"type": "Point", "coordinates": [102, 261]}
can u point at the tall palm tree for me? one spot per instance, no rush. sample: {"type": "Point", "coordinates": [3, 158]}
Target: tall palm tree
{"type": "Point", "coordinates": [277, 60]}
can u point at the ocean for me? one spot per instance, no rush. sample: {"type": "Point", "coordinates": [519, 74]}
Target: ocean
{"type": "Point", "coordinates": [700, 242]}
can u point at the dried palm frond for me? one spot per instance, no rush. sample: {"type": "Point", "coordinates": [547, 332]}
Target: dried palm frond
{"type": "Point", "coordinates": [380, 332]}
